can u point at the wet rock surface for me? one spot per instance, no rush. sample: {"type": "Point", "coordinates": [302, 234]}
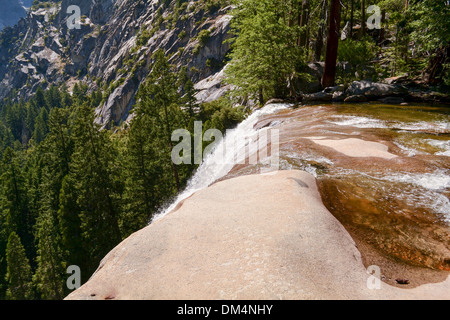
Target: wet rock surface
{"type": "Point", "coordinates": [397, 207]}
{"type": "Point", "coordinates": [265, 236]}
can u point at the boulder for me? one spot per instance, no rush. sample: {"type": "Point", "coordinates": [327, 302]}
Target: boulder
{"type": "Point", "coordinates": [306, 87]}
{"type": "Point", "coordinates": [374, 90]}
{"type": "Point", "coordinates": [356, 98]}
{"type": "Point", "coordinates": [393, 80]}
{"type": "Point", "coordinates": [338, 96]}
{"type": "Point", "coordinates": [392, 100]}
{"type": "Point", "coordinates": [318, 96]}
{"type": "Point", "coordinates": [316, 69]}
{"type": "Point", "coordinates": [334, 89]}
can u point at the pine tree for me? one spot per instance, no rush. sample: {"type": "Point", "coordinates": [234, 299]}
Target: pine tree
{"type": "Point", "coordinates": [74, 249]}
{"type": "Point", "coordinates": [53, 97]}
{"type": "Point", "coordinates": [49, 276]}
{"type": "Point", "coordinates": [14, 202]}
{"type": "Point", "coordinates": [31, 115]}
{"type": "Point", "coordinates": [55, 153]}
{"type": "Point", "coordinates": [265, 55]}
{"type": "Point", "coordinates": [188, 99]}
{"type": "Point", "coordinates": [19, 275]}
{"type": "Point", "coordinates": [151, 176]}
{"type": "Point", "coordinates": [39, 99]}
{"type": "Point", "coordinates": [91, 171]}
{"type": "Point", "coordinates": [160, 98]}
{"type": "Point", "coordinates": [6, 138]}
{"type": "Point", "coordinates": [145, 183]}
{"type": "Point", "coordinates": [40, 127]}
{"type": "Point", "coordinates": [15, 115]}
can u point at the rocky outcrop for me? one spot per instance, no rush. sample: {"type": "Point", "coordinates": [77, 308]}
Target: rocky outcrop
{"type": "Point", "coordinates": [211, 88]}
{"type": "Point", "coordinates": [374, 90]}
{"type": "Point", "coordinates": [118, 105]}
{"type": "Point", "coordinates": [390, 91]}
{"type": "Point", "coordinates": [257, 237]}
{"type": "Point", "coordinates": [318, 96]}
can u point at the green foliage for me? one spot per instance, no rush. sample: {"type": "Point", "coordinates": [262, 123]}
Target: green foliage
{"type": "Point", "coordinates": [182, 35]}
{"type": "Point", "coordinates": [92, 170]}
{"type": "Point", "coordinates": [429, 24]}
{"type": "Point", "coordinates": [143, 37]}
{"type": "Point", "coordinates": [49, 277]}
{"type": "Point", "coordinates": [358, 54]}
{"type": "Point", "coordinates": [429, 20]}
{"type": "Point", "coordinates": [71, 192]}
{"type": "Point", "coordinates": [18, 274]}
{"type": "Point", "coordinates": [40, 126]}
{"type": "Point", "coordinates": [203, 36]}
{"type": "Point", "coordinates": [265, 54]}
{"type": "Point", "coordinates": [419, 37]}
{"type": "Point", "coordinates": [220, 114]}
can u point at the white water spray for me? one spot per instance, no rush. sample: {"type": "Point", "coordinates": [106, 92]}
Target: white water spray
{"type": "Point", "coordinates": [214, 165]}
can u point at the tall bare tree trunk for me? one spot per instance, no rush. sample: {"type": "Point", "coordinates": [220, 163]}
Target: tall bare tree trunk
{"type": "Point", "coordinates": [321, 31]}
{"type": "Point", "coordinates": [352, 15]}
{"type": "Point", "coordinates": [332, 45]}
{"type": "Point", "coordinates": [363, 18]}
{"type": "Point", "coordinates": [303, 18]}
{"type": "Point", "coordinates": [382, 31]}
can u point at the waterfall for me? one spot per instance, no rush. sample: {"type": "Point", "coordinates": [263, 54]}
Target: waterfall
{"type": "Point", "coordinates": [217, 164]}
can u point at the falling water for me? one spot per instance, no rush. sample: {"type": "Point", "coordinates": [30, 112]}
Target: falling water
{"type": "Point", "coordinates": [217, 164]}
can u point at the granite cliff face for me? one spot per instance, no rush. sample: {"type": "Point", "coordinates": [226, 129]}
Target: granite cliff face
{"type": "Point", "coordinates": [112, 48]}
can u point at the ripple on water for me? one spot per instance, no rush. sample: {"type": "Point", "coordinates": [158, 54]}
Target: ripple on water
{"type": "Point", "coordinates": [404, 214]}
{"type": "Point", "coordinates": [443, 145]}
{"type": "Point", "coordinates": [427, 191]}
{"type": "Point", "coordinates": [358, 122]}
{"type": "Point", "coordinates": [438, 180]}
{"type": "Point", "coordinates": [362, 122]}
{"type": "Point", "coordinates": [417, 189]}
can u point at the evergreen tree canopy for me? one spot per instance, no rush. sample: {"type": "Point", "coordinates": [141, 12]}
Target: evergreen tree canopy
{"type": "Point", "coordinates": [265, 54]}
{"type": "Point", "coordinates": [19, 273]}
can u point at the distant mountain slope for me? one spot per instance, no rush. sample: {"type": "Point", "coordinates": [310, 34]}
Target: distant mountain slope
{"type": "Point", "coordinates": [112, 49]}
{"type": "Point", "coordinates": [11, 12]}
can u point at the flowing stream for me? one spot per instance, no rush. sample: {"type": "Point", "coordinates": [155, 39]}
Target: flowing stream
{"type": "Point", "coordinates": [399, 206]}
